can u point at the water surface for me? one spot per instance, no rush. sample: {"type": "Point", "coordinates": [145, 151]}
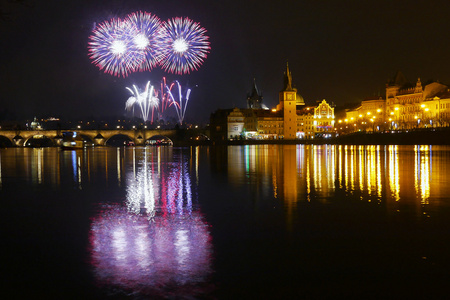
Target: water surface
{"type": "Point", "coordinates": [266, 221]}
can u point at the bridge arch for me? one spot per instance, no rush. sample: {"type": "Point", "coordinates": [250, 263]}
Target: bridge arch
{"type": "Point", "coordinates": [39, 140]}
{"type": "Point", "coordinates": [119, 139]}
{"type": "Point", "coordinates": [159, 140]}
{"type": "Point", "coordinates": [5, 142]}
{"type": "Point", "coordinates": [87, 139]}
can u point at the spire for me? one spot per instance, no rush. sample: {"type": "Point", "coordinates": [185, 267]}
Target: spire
{"type": "Point", "coordinates": [254, 99]}
{"type": "Point", "coordinates": [255, 89]}
{"type": "Point", "coordinates": [418, 88]}
{"type": "Point", "coordinates": [287, 79]}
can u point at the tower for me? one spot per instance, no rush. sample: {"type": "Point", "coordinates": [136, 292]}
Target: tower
{"type": "Point", "coordinates": [254, 99]}
{"type": "Point", "coordinates": [288, 104]}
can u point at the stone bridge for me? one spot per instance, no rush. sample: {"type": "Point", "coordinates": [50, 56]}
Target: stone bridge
{"type": "Point", "coordinates": [98, 137]}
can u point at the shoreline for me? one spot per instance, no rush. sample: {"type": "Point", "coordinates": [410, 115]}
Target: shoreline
{"type": "Point", "coordinates": [435, 136]}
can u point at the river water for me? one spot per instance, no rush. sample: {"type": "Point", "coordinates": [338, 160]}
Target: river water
{"type": "Point", "coordinates": [229, 222]}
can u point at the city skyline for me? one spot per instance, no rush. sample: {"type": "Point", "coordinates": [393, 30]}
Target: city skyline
{"type": "Point", "coordinates": [341, 53]}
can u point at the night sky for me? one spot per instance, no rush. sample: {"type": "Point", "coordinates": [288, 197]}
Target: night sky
{"type": "Point", "coordinates": [341, 51]}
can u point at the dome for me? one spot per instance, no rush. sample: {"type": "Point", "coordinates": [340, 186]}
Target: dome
{"type": "Point", "coordinates": [299, 100]}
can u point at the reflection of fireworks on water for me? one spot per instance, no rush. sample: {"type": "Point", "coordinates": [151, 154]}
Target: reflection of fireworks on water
{"type": "Point", "coordinates": [148, 258]}
{"type": "Point", "coordinates": [184, 45]}
{"type": "Point", "coordinates": [146, 38]}
{"type": "Point", "coordinates": [159, 242]}
{"type": "Point", "coordinates": [146, 100]}
{"type": "Point", "coordinates": [169, 191]}
{"type": "Point", "coordinates": [112, 48]}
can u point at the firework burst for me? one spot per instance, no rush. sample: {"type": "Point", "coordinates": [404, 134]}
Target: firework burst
{"type": "Point", "coordinates": [141, 41]}
{"type": "Point", "coordinates": [146, 38]}
{"type": "Point", "coordinates": [112, 48]}
{"type": "Point", "coordinates": [184, 45]}
{"type": "Point", "coordinates": [146, 100]}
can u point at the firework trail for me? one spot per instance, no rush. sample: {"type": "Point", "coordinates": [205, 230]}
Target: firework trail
{"type": "Point", "coordinates": [179, 103]}
{"type": "Point", "coordinates": [184, 45]}
{"type": "Point", "coordinates": [112, 48]}
{"type": "Point", "coordinates": [146, 101]}
{"type": "Point", "coordinates": [165, 98]}
{"type": "Point", "coordinates": [146, 39]}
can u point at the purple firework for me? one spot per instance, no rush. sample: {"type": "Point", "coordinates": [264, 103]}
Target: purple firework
{"type": "Point", "coordinates": [146, 38]}
{"type": "Point", "coordinates": [184, 45]}
{"type": "Point", "coordinates": [112, 48]}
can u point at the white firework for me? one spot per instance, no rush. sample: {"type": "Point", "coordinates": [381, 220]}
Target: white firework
{"type": "Point", "coordinates": [146, 100]}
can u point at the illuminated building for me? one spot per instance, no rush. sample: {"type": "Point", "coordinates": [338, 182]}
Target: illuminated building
{"type": "Point", "coordinates": [290, 120]}
{"type": "Point", "coordinates": [409, 106]}
{"type": "Point", "coordinates": [235, 122]}
{"type": "Point", "coordinates": [406, 106]}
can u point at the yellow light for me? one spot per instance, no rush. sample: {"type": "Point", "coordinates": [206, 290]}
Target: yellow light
{"type": "Point", "coordinates": [396, 108]}
{"type": "Point", "coordinates": [423, 105]}
{"type": "Point", "coordinates": [368, 112]}
{"type": "Point", "coordinates": [427, 109]}
{"type": "Point", "coordinates": [392, 112]}
{"type": "Point", "coordinates": [360, 116]}
{"type": "Point", "coordinates": [378, 110]}
{"type": "Point", "coordinates": [346, 120]}
{"type": "Point", "coordinates": [274, 109]}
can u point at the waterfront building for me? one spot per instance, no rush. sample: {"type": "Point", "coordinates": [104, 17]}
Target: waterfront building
{"type": "Point", "coordinates": [412, 106]}
{"type": "Point", "coordinates": [235, 123]}
{"type": "Point", "coordinates": [405, 107]}
{"type": "Point", "coordinates": [323, 125]}
{"type": "Point", "coordinates": [290, 120]}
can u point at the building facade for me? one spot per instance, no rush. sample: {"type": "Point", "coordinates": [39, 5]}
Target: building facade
{"type": "Point", "coordinates": [405, 107]}
{"type": "Point", "coordinates": [290, 120]}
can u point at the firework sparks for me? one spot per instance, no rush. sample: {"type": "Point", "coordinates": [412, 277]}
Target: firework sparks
{"type": "Point", "coordinates": [184, 45]}
{"type": "Point", "coordinates": [141, 41]}
{"type": "Point", "coordinates": [158, 101]}
{"type": "Point", "coordinates": [146, 100]}
{"type": "Point", "coordinates": [179, 103]}
{"type": "Point", "coordinates": [113, 50]}
{"type": "Point", "coordinates": [146, 38]}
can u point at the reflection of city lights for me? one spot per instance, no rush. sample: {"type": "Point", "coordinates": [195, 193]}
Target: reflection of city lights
{"type": "Point", "coordinates": [362, 167]}
{"type": "Point", "coordinates": [422, 172]}
{"type": "Point", "coordinates": [394, 173]}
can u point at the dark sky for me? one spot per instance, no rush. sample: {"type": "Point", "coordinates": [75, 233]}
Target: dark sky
{"type": "Point", "coordinates": [341, 51]}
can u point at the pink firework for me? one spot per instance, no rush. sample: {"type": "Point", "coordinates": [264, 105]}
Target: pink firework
{"type": "Point", "coordinates": [184, 45]}
{"type": "Point", "coordinates": [147, 38]}
{"type": "Point", "coordinates": [112, 48]}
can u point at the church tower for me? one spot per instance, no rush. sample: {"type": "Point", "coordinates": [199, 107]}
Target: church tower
{"type": "Point", "coordinates": [288, 105]}
{"type": "Point", "coordinates": [254, 99]}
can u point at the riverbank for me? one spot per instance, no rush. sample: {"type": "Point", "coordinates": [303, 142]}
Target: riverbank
{"type": "Point", "coordinates": [438, 136]}
{"type": "Point", "coordinates": [435, 136]}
